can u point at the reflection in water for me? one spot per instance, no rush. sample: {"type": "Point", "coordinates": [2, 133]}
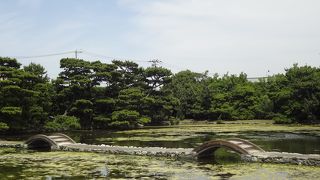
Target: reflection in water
{"type": "Point", "coordinates": [269, 141]}
{"type": "Point", "coordinates": [62, 165]}
{"type": "Point", "coordinates": [272, 141]}
{"type": "Point", "coordinates": [286, 142]}
{"type": "Point", "coordinates": [304, 146]}
{"type": "Point", "coordinates": [220, 156]}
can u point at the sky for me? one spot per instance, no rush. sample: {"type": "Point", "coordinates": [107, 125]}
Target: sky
{"type": "Point", "coordinates": [222, 36]}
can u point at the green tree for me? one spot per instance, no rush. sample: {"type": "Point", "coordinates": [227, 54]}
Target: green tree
{"type": "Point", "coordinates": [191, 90]}
{"type": "Point", "coordinates": [156, 77]}
{"type": "Point", "coordinates": [83, 109]}
{"type": "Point", "coordinates": [233, 97]}
{"type": "Point", "coordinates": [304, 102]}
{"type": "Point", "coordinates": [127, 119]}
{"type": "Point", "coordinates": [25, 98]}
{"type": "Point", "coordinates": [37, 70]}
{"type": "Point", "coordinates": [126, 75]}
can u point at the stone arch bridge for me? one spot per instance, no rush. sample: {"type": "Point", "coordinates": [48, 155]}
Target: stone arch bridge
{"type": "Point", "coordinates": [237, 145]}
{"type": "Point", "coordinates": [60, 141]}
{"type": "Point", "coordinates": [53, 141]}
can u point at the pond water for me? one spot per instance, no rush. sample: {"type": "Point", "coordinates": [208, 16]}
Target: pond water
{"type": "Point", "coordinates": [22, 164]}
{"type": "Point", "coordinates": [269, 141]}
{"type": "Point", "coordinates": [77, 165]}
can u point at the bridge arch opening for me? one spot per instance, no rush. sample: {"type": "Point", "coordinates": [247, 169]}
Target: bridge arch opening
{"type": "Point", "coordinates": [219, 155]}
{"type": "Point", "coordinates": [40, 145]}
{"type": "Point", "coordinates": [212, 150]}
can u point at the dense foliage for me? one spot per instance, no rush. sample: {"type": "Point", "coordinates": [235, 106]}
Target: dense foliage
{"type": "Point", "coordinates": [62, 123]}
{"type": "Point", "coordinates": [95, 95]}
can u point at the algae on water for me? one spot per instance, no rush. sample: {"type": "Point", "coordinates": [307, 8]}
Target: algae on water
{"type": "Point", "coordinates": [22, 164]}
{"type": "Point", "coordinates": [78, 165]}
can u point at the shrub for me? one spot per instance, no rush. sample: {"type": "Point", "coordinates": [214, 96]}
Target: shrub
{"type": "Point", "coordinates": [174, 121]}
{"type": "Point", "coordinates": [11, 111]}
{"type": "Point", "coordinates": [101, 122]}
{"type": "Point", "coordinates": [220, 121]}
{"type": "Point", "coordinates": [3, 126]}
{"type": "Point", "coordinates": [281, 119]}
{"type": "Point", "coordinates": [128, 119]}
{"type": "Point", "coordinates": [144, 120]}
{"type": "Point", "coordinates": [63, 123]}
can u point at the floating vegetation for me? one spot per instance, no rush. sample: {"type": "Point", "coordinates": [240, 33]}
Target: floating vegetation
{"type": "Point", "coordinates": [229, 128]}
{"type": "Point", "coordinates": [22, 164]}
{"type": "Point", "coordinates": [150, 138]}
{"type": "Point", "coordinates": [287, 138]}
{"type": "Point", "coordinates": [77, 165]}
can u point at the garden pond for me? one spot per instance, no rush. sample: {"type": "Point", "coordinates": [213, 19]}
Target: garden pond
{"type": "Point", "coordinates": [25, 164]}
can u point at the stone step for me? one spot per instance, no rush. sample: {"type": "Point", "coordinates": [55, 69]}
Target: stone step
{"type": "Point", "coordinates": [54, 137]}
{"type": "Point", "coordinates": [235, 142]}
{"type": "Point", "coordinates": [245, 146]}
{"type": "Point", "coordinates": [58, 142]}
{"type": "Point", "coordinates": [253, 151]}
{"type": "Point", "coordinates": [63, 143]}
{"type": "Point", "coordinates": [252, 148]}
{"type": "Point", "coordinates": [61, 139]}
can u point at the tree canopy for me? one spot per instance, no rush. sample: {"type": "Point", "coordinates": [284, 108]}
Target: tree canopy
{"type": "Point", "coordinates": [121, 94]}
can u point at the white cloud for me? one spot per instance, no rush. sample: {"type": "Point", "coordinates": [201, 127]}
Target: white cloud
{"type": "Point", "coordinates": [217, 35]}
{"type": "Point", "coordinates": [235, 35]}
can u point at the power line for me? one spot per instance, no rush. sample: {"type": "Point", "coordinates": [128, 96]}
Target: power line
{"type": "Point", "coordinates": [43, 55]}
{"type": "Point", "coordinates": [111, 57]}
{"type": "Point", "coordinates": [98, 55]}
{"type": "Point", "coordinates": [155, 62]}
{"type": "Point", "coordinates": [76, 53]}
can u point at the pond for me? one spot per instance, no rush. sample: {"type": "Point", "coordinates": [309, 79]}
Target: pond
{"type": "Point", "coordinates": [23, 164]}
{"type": "Point", "coordinates": [76, 165]}
{"type": "Point", "coordinates": [269, 141]}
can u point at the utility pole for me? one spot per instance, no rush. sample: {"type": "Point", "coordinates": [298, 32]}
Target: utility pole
{"type": "Point", "coordinates": [155, 62]}
{"type": "Point", "coordinates": [76, 53]}
{"type": "Point", "coordinates": [267, 74]}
